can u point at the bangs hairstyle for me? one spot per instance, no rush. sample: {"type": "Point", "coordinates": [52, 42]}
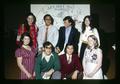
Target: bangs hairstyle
{"type": "Point", "coordinates": [48, 15]}
{"type": "Point", "coordinates": [68, 44]}
{"type": "Point", "coordinates": [96, 41]}
{"type": "Point", "coordinates": [22, 37]}
{"type": "Point", "coordinates": [47, 43]}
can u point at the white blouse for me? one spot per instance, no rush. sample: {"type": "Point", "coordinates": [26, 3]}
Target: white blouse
{"type": "Point", "coordinates": [84, 36]}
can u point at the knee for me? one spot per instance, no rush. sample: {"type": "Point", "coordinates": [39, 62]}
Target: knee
{"type": "Point", "coordinates": [56, 75]}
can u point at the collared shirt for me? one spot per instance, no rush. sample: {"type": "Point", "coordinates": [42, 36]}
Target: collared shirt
{"type": "Point", "coordinates": [47, 58]}
{"type": "Point", "coordinates": [52, 35]}
{"type": "Point", "coordinates": [69, 58]}
{"type": "Point", "coordinates": [67, 34]}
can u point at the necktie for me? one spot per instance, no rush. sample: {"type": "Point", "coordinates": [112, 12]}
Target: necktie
{"type": "Point", "coordinates": [46, 32]}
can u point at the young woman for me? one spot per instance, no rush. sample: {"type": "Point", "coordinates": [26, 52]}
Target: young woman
{"type": "Point", "coordinates": [87, 29]}
{"type": "Point", "coordinates": [28, 26]}
{"type": "Point", "coordinates": [70, 64]}
{"type": "Point", "coordinates": [25, 56]}
{"type": "Point", "coordinates": [92, 60]}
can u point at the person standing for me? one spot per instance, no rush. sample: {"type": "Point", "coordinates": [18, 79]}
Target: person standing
{"type": "Point", "coordinates": [28, 26]}
{"type": "Point", "coordinates": [67, 34]}
{"type": "Point", "coordinates": [92, 60]}
{"type": "Point", "coordinates": [25, 56]}
{"type": "Point", "coordinates": [87, 29]}
{"type": "Point", "coordinates": [47, 32]}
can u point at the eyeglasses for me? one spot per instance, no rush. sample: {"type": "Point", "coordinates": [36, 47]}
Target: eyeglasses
{"type": "Point", "coordinates": [47, 19]}
{"type": "Point", "coordinates": [48, 47]}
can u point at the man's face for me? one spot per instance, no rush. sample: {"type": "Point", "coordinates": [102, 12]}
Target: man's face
{"type": "Point", "coordinates": [69, 50]}
{"type": "Point", "coordinates": [67, 23]}
{"type": "Point", "coordinates": [48, 21]}
{"type": "Point", "coordinates": [48, 49]}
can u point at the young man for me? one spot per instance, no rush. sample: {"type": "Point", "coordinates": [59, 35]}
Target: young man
{"type": "Point", "coordinates": [47, 32]}
{"type": "Point", "coordinates": [47, 64]}
{"type": "Point", "coordinates": [67, 34]}
{"type": "Point", "coordinates": [70, 64]}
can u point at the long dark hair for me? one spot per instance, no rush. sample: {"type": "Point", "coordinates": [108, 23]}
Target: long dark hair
{"type": "Point", "coordinates": [83, 23]}
{"type": "Point", "coordinates": [69, 18]}
{"type": "Point", "coordinates": [22, 37]}
{"type": "Point", "coordinates": [26, 22]}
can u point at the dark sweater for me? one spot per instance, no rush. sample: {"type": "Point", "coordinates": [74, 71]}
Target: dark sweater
{"type": "Point", "coordinates": [66, 68]}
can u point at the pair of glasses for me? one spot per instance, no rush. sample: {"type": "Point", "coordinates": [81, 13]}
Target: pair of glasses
{"type": "Point", "coordinates": [47, 19]}
{"type": "Point", "coordinates": [48, 47]}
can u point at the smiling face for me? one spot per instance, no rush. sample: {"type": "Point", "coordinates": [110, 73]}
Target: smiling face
{"type": "Point", "coordinates": [26, 40]}
{"type": "Point", "coordinates": [30, 19]}
{"type": "Point", "coordinates": [87, 22]}
{"type": "Point", "coordinates": [48, 49]}
{"type": "Point", "coordinates": [91, 42]}
{"type": "Point", "coordinates": [69, 49]}
{"type": "Point", "coordinates": [48, 21]}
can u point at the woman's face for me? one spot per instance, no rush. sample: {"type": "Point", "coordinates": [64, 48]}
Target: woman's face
{"type": "Point", "coordinates": [91, 42]}
{"type": "Point", "coordinates": [69, 50]}
{"type": "Point", "coordinates": [48, 21]}
{"type": "Point", "coordinates": [30, 19]}
{"type": "Point", "coordinates": [87, 22]}
{"type": "Point", "coordinates": [48, 50]}
{"type": "Point", "coordinates": [26, 40]}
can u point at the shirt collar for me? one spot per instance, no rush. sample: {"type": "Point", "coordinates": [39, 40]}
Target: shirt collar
{"type": "Point", "coordinates": [44, 55]}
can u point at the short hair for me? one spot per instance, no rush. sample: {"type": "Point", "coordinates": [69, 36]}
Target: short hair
{"type": "Point", "coordinates": [47, 43]}
{"type": "Point", "coordinates": [95, 39]}
{"type": "Point", "coordinates": [68, 44]}
{"type": "Point", "coordinates": [48, 15]}
{"type": "Point", "coordinates": [22, 37]}
{"type": "Point", "coordinates": [69, 18]}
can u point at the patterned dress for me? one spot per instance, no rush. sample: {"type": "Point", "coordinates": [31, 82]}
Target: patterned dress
{"type": "Point", "coordinates": [90, 62]}
{"type": "Point", "coordinates": [28, 60]}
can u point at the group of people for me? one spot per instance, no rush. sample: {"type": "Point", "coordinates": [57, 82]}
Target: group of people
{"type": "Point", "coordinates": [49, 52]}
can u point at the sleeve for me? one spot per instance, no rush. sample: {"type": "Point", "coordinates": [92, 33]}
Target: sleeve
{"type": "Point", "coordinates": [97, 35]}
{"type": "Point", "coordinates": [18, 53]}
{"type": "Point", "coordinates": [55, 37]}
{"type": "Point", "coordinates": [57, 62]}
{"type": "Point", "coordinates": [83, 61]}
{"type": "Point", "coordinates": [77, 63]}
{"type": "Point", "coordinates": [80, 43]}
{"type": "Point", "coordinates": [37, 68]}
{"type": "Point", "coordinates": [39, 38]}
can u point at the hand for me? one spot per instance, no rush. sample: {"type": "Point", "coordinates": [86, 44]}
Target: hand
{"type": "Point", "coordinates": [57, 50]}
{"type": "Point", "coordinates": [18, 38]}
{"type": "Point", "coordinates": [74, 76]}
{"type": "Point", "coordinates": [29, 75]}
{"type": "Point", "coordinates": [50, 72]}
{"type": "Point", "coordinates": [33, 74]}
{"type": "Point", "coordinates": [79, 55]}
